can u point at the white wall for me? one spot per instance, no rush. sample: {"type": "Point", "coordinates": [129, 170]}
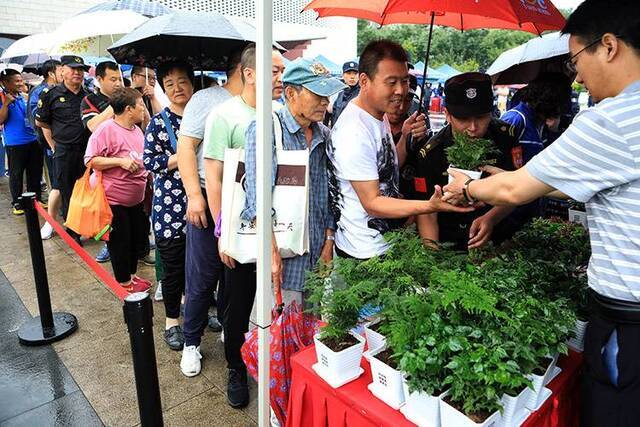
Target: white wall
{"type": "Point", "coordinates": [26, 17]}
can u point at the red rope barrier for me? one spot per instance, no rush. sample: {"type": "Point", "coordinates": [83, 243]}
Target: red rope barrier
{"type": "Point", "coordinates": [103, 274]}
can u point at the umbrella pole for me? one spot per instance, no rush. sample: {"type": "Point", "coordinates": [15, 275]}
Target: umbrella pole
{"type": "Point", "coordinates": [426, 62]}
{"type": "Point", "coordinates": [264, 18]}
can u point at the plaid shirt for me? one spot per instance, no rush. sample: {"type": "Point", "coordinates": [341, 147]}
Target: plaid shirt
{"type": "Point", "coordinates": [320, 216]}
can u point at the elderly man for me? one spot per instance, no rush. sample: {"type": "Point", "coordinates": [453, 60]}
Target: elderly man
{"type": "Point", "coordinates": [596, 161]}
{"type": "Point", "coordinates": [59, 116]}
{"type": "Point", "coordinates": [307, 88]}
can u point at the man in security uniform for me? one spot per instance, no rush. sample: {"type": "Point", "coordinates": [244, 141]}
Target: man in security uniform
{"type": "Point", "coordinates": [468, 110]}
{"type": "Point", "coordinates": [350, 77]}
{"type": "Point", "coordinates": [59, 111]}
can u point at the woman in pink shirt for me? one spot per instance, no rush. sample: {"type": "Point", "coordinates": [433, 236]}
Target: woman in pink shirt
{"type": "Point", "coordinates": [115, 149]}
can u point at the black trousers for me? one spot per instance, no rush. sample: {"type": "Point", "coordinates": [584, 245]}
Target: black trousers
{"type": "Point", "coordinates": [69, 167]}
{"type": "Point", "coordinates": [603, 403]}
{"type": "Point", "coordinates": [24, 158]}
{"type": "Point", "coordinates": [172, 253]}
{"type": "Point", "coordinates": [239, 293]}
{"type": "Point", "coordinates": [130, 227]}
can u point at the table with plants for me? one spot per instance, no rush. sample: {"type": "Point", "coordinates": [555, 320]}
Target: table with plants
{"type": "Point", "coordinates": [451, 339]}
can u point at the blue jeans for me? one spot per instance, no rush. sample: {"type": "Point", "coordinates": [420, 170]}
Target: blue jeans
{"type": "Point", "coordinates": [203, 271]}
{"type": "Point", "coordinates": [3, 169]}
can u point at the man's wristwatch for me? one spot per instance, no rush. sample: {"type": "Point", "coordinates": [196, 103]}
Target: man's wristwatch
{"type": "Point", "coordinates": [332, 238]}
{"type": "Point", "coordinates": [466, 193]}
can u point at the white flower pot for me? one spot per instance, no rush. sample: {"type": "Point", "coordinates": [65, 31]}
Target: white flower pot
{"type": "Point", "coordinates": [538, 382]}
{"type": "Point", "coordinates": [470, 174]}
{"type": "Point", "coordinates": [387, 382]}
{"type": "Point", "coordinates": [338, 368]}
{"type": "Point", "coordinates": [451, 417]}
{"type": "Point", "coordinates": [421, 408]}
{"type": "Point", "coordinates": [577, 342]}
{"type": "Point", "coordinates": [375, 340]}
{"type": "Point", "coordinates": [514, 411]}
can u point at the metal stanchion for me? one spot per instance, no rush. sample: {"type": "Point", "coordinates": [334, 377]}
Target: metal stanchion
{"type": "Point", "coordinates": [48, 327]}
{"type": "Point", "coordinates": [138, 313]}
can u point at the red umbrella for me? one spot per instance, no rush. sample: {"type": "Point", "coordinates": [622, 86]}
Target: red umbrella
{"type": "Point", "coordinates": [534, 16]}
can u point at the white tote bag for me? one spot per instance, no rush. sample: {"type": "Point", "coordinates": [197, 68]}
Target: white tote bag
{"type": "Point", "coordinates": [290, 204]}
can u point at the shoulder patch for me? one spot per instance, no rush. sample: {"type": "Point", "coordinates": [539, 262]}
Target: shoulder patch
{"type": "Point", "coordinates": [39, 103]}
{"type": "Point", "coordinates": [45, 90]}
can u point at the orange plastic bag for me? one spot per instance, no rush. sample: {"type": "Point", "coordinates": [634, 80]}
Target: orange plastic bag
{"type": "Point", "coordinates": [89, 211]}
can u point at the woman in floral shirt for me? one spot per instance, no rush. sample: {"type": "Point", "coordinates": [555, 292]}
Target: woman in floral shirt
{"type": "Point", "coordinates": [169, 197]}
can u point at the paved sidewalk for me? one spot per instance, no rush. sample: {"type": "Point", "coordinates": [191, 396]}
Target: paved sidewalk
{"type": "Point", "coordinates": [97, 356]}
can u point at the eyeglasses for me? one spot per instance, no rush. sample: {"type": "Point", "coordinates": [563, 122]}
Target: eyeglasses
{"type": "Point", "coordinates": [571, 66]}
{"type": "Point", "coordinates": [149, 77]}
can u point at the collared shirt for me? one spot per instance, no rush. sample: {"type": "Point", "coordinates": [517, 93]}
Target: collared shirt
{"type": "Point", "coordinates": [529, 134]}
{"type": "Point", "coordinates": [320, 217]}
{"type": "Point", "coordinates": [596, 161]}
{"type": "Point", "coordinates": [59, 107]}
{"type": "Point", "coordinates": [169, 212]}
{"type": "Point", "coordinates": [17, 129]}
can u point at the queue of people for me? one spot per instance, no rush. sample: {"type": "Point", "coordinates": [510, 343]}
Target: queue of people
{"type": "Point", "coordinates": [374, 166]}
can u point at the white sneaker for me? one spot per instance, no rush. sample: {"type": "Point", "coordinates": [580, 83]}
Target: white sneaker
{"type": "Point", "coordinates": [222, 336]}
{"type": "Point", "coordinates": [190, 363]}
{"type": "Point", "coordinates": [158, 295]}
{"type": "Point", "coordinates": [46, 232]}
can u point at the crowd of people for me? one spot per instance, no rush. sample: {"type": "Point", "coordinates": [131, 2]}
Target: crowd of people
{"type": "Point", "coordinates": [374, 166]}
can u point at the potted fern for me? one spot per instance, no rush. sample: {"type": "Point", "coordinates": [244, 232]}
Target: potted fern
{"type": "Point", "coordinates": [467, 154]}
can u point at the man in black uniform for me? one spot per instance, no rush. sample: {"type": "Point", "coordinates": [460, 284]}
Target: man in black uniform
{"type": "Point", "coordinates": [350, 77]}
{"type": "Point", "coordinates": [469, 103]}
{"type": "Point", "coordinates": [59, 111]}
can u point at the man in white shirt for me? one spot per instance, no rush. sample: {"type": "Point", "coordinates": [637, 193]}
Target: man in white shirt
{"type": "Point", "coordinates": [364, 164]}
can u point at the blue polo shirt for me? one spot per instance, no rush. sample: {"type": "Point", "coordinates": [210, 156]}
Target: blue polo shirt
{"type": "Point", "coordinates": [523, 118]}
{"type": "Point", "coordinates": [17, 130]}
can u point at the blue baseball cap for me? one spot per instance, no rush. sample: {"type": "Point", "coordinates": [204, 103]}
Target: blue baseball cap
{"type": "Point", "coordinates": [313, 76]}
{"type": "Point", "coordinates": [349, 66]}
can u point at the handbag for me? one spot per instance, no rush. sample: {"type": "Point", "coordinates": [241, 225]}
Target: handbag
{"type": "Point", "coordinates": [290, 226]}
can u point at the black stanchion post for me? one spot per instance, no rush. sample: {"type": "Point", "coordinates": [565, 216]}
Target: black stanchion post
{"type": "Point", "coordinates": [47, 327]}
{"type": "Point", "coordinates": [138, 313]}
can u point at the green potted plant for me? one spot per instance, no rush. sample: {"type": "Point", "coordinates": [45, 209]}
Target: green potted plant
{"type": "Point", "coordinates": [467, 154]}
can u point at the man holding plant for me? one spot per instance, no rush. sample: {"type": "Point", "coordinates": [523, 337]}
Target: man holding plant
{"type": "Point", "coordinates": [472, 140]}
{"type": "Point", "coordinates": [596, 162]}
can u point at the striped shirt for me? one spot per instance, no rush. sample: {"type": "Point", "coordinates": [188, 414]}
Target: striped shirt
{"type": "Point", "coordinates": [597, 161]}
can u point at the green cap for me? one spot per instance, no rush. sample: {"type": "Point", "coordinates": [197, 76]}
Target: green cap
{"type": "Point", "coordinates": [313, 76]}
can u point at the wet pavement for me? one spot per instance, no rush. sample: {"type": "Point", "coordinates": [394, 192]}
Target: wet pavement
{"type": "Point", "coordinates": [87, 378]}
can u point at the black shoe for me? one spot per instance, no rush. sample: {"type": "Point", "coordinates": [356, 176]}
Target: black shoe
{"type": "Point", "coordinates": [214, 324]}
{"type": "Point", "coordinates": [237, 388]}
{"type": "Point", "coordinates": [174, 337]}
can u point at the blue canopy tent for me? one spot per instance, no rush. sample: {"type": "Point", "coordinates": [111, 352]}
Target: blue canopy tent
{"type": "Point", "coordinates": [447, 70]}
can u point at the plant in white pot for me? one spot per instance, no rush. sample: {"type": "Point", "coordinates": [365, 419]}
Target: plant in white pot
{"type": "Point", "coordinates": [467, 154]}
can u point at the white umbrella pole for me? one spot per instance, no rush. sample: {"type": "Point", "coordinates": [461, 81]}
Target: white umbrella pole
{"type": "Point", "coordinates": [264, 17]}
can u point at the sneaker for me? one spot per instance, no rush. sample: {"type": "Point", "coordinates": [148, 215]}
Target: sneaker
{"type": "Point", "coordinates": [174, 337]}
{"type": "Point", "coordinates": [134, 287]}
{"type": "Point", "coordinates": [158, 295]}
{"type": "Point", "coordinates": [190, 364]}
{"type": "Point", "coordinates": [222, 336]}
{"type": "Point", "coordinates": [141, 281]}
{"type": "Point", "coordinates": [214, 324]}
{"type": "Point", "coordinates": [150, 259]}
{"type": "Point", "coordinates": [103, 255]}
{"type": "Point", "coordinates": [237, 388]}
{"type": "Point", "coordinates": [46, 232]}
{"type": "Point", "coordinates": [17, 210]}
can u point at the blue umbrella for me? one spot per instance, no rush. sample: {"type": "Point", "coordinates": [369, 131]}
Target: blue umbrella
{"type": "Point", "coordinates": [143, 7]}
{"type": "Point", "coordinates": [203, 39]}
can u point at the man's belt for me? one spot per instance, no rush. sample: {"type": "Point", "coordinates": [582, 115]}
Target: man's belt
{"type": "Point", "coordinates": [615, 310]}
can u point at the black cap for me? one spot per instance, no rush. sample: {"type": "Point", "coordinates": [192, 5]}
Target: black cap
{"type": "Point", "coordinates": [74, 61]}
{"type": "Point", "coordinates": [349, 66]}
{"type": "Point", "coordinates": [469, 94]}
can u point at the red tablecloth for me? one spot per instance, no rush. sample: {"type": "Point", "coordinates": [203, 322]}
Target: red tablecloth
{"type": "Point", "coordinates": [313, 403]}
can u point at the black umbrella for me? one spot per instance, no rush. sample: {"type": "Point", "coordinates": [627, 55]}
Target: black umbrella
{"type": "Point", "coordinates": [203, 39]}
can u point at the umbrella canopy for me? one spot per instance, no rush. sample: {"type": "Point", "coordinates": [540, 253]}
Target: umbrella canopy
{"type": "Point", "coordinates": [202, 39]}
{"type": "Point", "coordinates": [523, 63]}
{"type": "Point", "coordinates": [29, 45]}
{"type": "Point", "coordinates": [97, 24]}
{"type": "Point", "coordinates": [143, 7]}
{"type": "Point", "coordinates": [534, 16]}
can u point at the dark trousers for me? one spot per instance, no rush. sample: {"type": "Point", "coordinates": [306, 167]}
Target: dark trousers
{"type": "Point", "coordinates": [130, 226]}
{"type": "Point", "coordinates": [69, 167]}
{"type": "Point", "coordinates": [603, 402]}
{"type": "Point", "coordinates": [24, 158]}
{"type": "Point", "coordinates": [203, 271]}
{"type": "Point", "coordinates": [239, 293]}
{"type": "Point", "coordinates": [172, 252]}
